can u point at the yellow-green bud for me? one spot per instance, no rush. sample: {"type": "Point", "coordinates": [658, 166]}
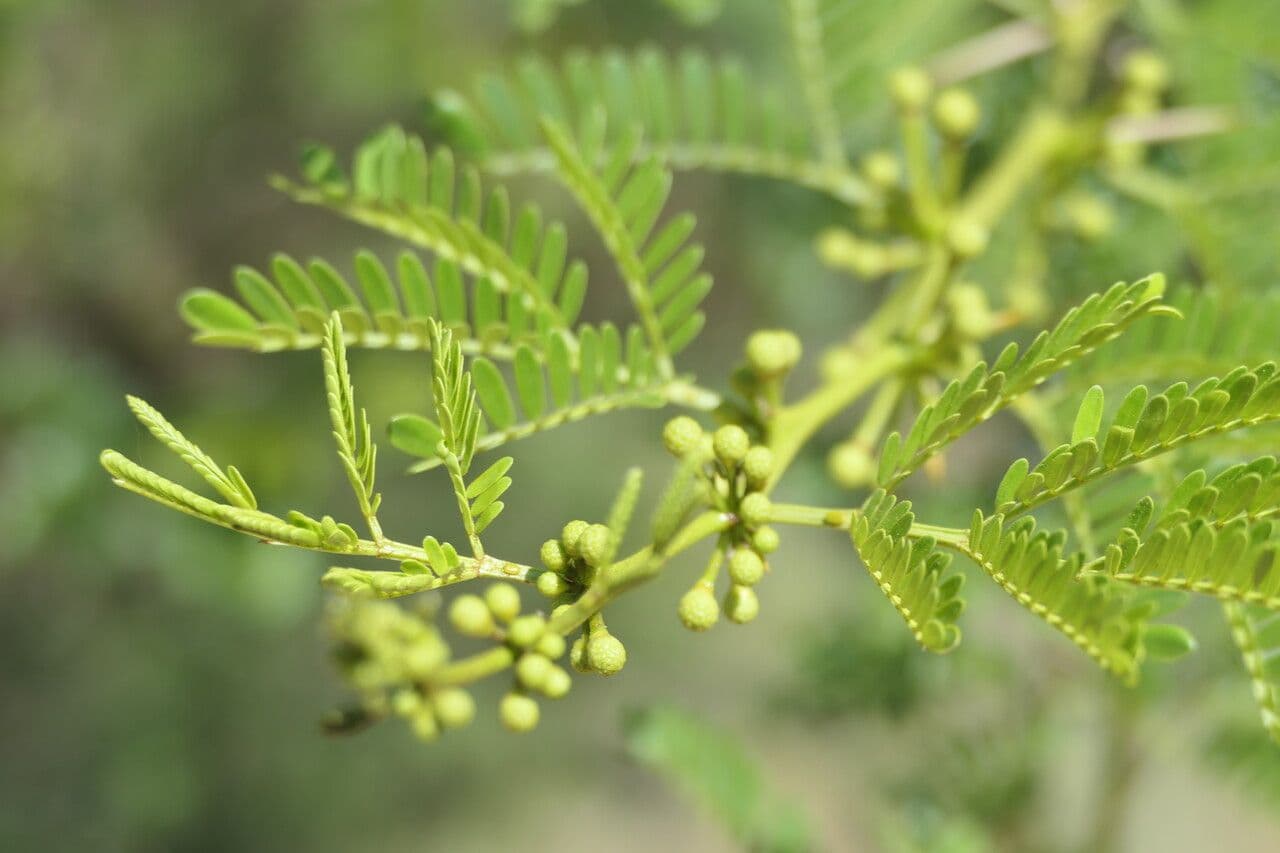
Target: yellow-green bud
{"type": "Point", "coordinates": [731, 444]}
{"type": "Point", "coordinates": [681, 436]}
{"type": "Point", "coordinates": [454, 707]}
{"type": "Point", "coordinates": [698, 608]}
{"type": "Point", "coordinates": [424, 724]}
{"type": "Point", "coordinates": [553, 555]}
{"type": "Point", "coordinates": [557, 683]}
{"type": "Point", "coordinates": [593, 544]}
{"type": "Point", "coordinates": [526, 630]}
{"type": "Point", "coordinates": [503, 600]}
{"type": "Point", "coordinates": [470, 616]}
{"type": "Point", "coordinates": [518, 712]}
{"type": "Point", "coordinates": [532, 669]}
{"type": "Point", "coordinates": [758, 464]}
{"type": "Point", "coordinates": [605, 653]}
{"type": "Point", "coordinates": [1146, 71]}
{"type": "Point", "coordinates": [956, 113]}
{"type": "Point", "coordinates": [551, 584]}
{"type": "Point", "coordinates": [970, 311]}
{"type": "Point", "coordinates": [851, 465]}
{"type": "Point", "coordinates": [745, 567]}
{"type": "Point", "coordinates": [578, 655]}
{"type": "Point", "coordinates": [551, 644]}
{"type": "Point", "coordinates": [967, 238]}
{"type": "Point", "coordinates": [571, 534]}
{"type": "Point", "coordinates": [1090, 216]}
{"type": "Point", "coordinates": [765, 540]}
{"type": "Point", "coordinates": [406, 702]}
{"type": "Point", "coordinates": [882, 168]}
{"type": "Point", "coordinates": [772, 352]}
{"type": "Point", "coordinates": [741, 604]}
{"type": "Point", "coordinates": [755, 509]}
{"type": "Point", "coordinates": [910, 88]}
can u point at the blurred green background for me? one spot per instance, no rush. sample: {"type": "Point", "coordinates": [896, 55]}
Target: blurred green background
{"type": "Point", "coordinates": [160, 681]}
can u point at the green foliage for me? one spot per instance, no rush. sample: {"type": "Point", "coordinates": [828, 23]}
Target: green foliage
{"type": "Point", "coordinates": [986, 390]}
{"type": "Point", "coordinates": [1030, 565]}
{"type": "Point", "coordinates": [695, 112]}
{"type": "Point", "coordinates": [1256, 632]}
{"type": "Point", "coordinates": [716, 771]}
{"type": "Point", "coordinates": [1143, 427]}
{"type": "Point", "coordinates": [911, 573]}
{"type": "Point", "coordinates": [356, 450]}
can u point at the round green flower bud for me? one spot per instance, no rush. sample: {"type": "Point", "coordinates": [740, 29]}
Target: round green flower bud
{"type": "Point", "coordinates": [1146, 71]}
{"type": "Point", "coordinates": [851, 465]}
{"type": "Point", "coordinates": [698, 608]}
{"type": "Point", "coordinates": [731, 444]}
{"type": "Point", "coordinates": [470, 616]}
{"type": "Point", "coordinates": [758, 464]}
{"type": "Point", "coordinates": [557, 683]}
{"type": "Point", "coordinates": [772, 352]}
{"type": "Point", "coordinates": [532, 669]}
{"type": "Point", "coordinates": [425, 727]}
{"type": "Point", "coordinates": [594, 543]}
{"type": "Point", "coordinates": [422, 659]}
{"type": "Point", "coordinates": [526, 630]}
{"type": "Point", "coordinates": [967, 238]}
{"type": "Point", "coordinates": [910, 88]}
{"type": "Point", "coordinates": [956, 113]}
{"type": "Point", "coordinates": [551, 584]}
{"type": "Point", "coordinates": [503, 600]}
{"type": "Point", "coordinates": [882, 169]}
{"type": "Point", "coordinates": [605, 653]}
{"type": "Point", "coordinates": [681, 436]}
{"type": "Point", "coordinates": [406, 702]}
{"type": "Point", "coordinates": [550, 644]}
{"type": "Point", "coordinates": [570, 535]}
{"type": "Point", "coordinates": [741, 604]}
{"type": "Point", "coordinates": [745, 567]}
{"type": "Point", "coordinates": [553, 555]}
{"type": "Point", "coordinates": [1089, 215]}
{"type": "Point", "coordinates": [518, 712]}
{"type": "Point", "coordinates": [970, 311]}
{"type": "Point", "coordinates": [765, 540]}
{"type": "Point", "coordinates": [755, 509]}
{"type": "Point", "coordinates": [578, 655]}
{"type": "Point", "coordinates": [454, 707]}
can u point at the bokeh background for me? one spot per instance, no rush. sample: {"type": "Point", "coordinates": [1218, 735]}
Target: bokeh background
{"type": "Point", "coordinates": [161, 681]}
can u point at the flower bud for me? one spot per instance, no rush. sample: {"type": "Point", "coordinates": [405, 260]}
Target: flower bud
{"type": "Point", "coordinates": [570, 535]}
{"type": "Point", "coordinates": [1146, 71]}
{"type": "Point", "coordinates": [605, 653]}
{"type": "Point", "coordinates": [956, 113]}
{"type": "Point", "coordinates": [772, 352]}
{"type": "Point", "coordinates": [681, 436]}
{"type": "Point", "coordinates": [526, 630]}
{"type": "Point", "coordinates": [551, 584]}
{"type": "Point", "coordinates": [503, 600]}
{"type": "Point", "coordinates": [910, 88]}
{"type": "Point", "coordinates": [967, 238]}
{"type": "Point", "coordinates": [425, 727]}
{"type": "Point", "coordinates": [557, 683]}
{"type": "Point", "coordinates": [758, 465]}
{"type": "Point", "coordinates": [553, 555]}
{"type": "Point", "coordinates": [851, 465]}
{"type": "Point", "coordinates": [730, 444]}
{"type": "Point", "coordinates": [741, 604]}
{"type": "Point", "coordinates": [532, 669]}
{"type": "Point", "coordinates": [550, 644]}
{"type": "Point", "coordinates": [882, 169]}
{"type": "Point", "coordinates": [698, 608]}
{"type": "Point", "coordinates": [765, 540]}
{"type": "Point", "coordinates": [755, 509]}
{"type": "Point", "coordinates": [518, 712]}
{"type": "Point", "coordinates": [470, 616]}
{"type": "Point", "coordinates": [593, 544]}
{"type": "Point", "coordinates": [970, 312]}
{"type": "Point", "coordinates": [406, 702]}
{"type": "Point", "coordinates": [745, 567]}
{"type": "Point", "coordinates": [578, 655]}
{"type": "Point", "coordinates": [454, 707]}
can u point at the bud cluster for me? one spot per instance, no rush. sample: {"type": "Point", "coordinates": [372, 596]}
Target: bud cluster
{"type": "Point", "coordinates": [390, 656]}
{"type": "Point", "coordinates": [737, 474]}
